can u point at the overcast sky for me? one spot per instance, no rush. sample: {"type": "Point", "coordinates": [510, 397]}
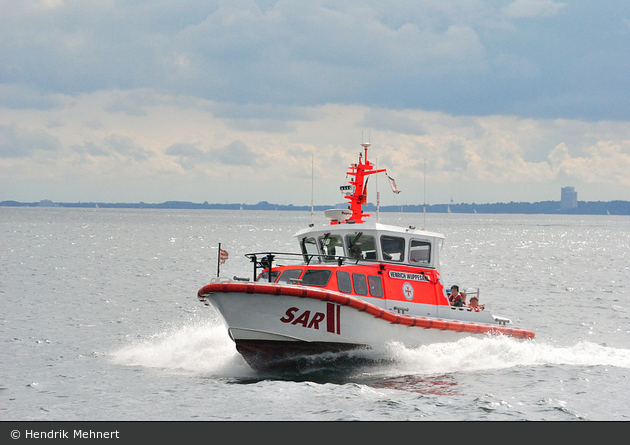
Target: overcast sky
{"type": "Point", "coordinates": [242, 101]}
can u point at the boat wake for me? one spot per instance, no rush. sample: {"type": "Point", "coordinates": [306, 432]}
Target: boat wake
{"type": "Point", "coordinates": [204, 348]}
{"type": "Point", "coordinates": [198, 348]}
{"type": "Point", "coordinates": [473, 354]}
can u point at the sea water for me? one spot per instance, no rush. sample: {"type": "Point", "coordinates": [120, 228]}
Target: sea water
{"type": "Point", "coordinates": [100, 321]}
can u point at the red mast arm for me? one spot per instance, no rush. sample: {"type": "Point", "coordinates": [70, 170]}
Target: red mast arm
{"type": "Point", "coordinates": [359, 197]}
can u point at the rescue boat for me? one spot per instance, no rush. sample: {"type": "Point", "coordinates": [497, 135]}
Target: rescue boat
{"type": "Point", "coordinates": [355, 284]}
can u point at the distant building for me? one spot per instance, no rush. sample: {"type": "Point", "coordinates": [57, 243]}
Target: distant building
{"type": "Point", "coordinates": [46, 203]}
{"type": "Point", "coordinates": [568, 198]}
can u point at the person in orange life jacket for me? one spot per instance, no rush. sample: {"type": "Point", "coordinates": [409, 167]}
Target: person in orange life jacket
{"type": "Point", "coordinates": [455, 299]}
{"type": "Point", "coordinates": [475, 306]}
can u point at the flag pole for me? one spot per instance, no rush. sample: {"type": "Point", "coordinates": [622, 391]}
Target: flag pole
{"type": "Point", "coordinates": [218, 260]}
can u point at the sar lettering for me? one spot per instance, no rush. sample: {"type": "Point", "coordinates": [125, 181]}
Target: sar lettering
{"type": "Point", "coordinates": [304, 319]}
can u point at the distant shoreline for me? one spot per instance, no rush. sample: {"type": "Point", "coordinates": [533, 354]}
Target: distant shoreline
{"type": "Point", "coordinates": [543, 207]}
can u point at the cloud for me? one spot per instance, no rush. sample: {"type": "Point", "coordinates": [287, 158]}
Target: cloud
{"type": "Point", "coordinates": [504, 99]}
{"type": "Point", "coordinates": [267, 117]}
{"type": "Point", "coordinates": [16, 142]}
{"type": "Point", "coordinates": [20, 96]}
{"type": "Point", "coordinates": [460, 57]}
{"type": "Point", "coordinates": [124, 145]}
{"type": "Point", "coordinates": [186, 150]}
{"type": "Point", "coordinates": [605, 161]}
{"type": "Point", "coordinates": [89, 148]}
{"type": "Point", "coordinates": [174, 152]}
{"type": "Point", "coordinates": [188, 155]}
{"type": "Point", "coordinates": [533, 8]}
{"type": "Point", "coordinates": [236, 153]}
{"type": "Point", "coordinates": [396, 121]}
{"type": "Point", "coordinates": [126, 108]}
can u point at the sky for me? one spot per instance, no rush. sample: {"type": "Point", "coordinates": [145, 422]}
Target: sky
{"type": "Point", "coordinates": [474, 101]}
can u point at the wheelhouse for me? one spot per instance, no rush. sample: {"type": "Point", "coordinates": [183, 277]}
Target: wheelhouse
{"type": "Point", "coordinates": [369, 242]}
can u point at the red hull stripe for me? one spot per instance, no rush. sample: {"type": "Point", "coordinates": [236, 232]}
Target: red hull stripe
{"type": "Point", "coordinates": [332, 316]}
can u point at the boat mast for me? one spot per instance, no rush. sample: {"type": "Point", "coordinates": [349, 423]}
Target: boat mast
{"type": "Point", "coordinates": [360, 172]}
{"type": "Point", "coordinates": [312, 187]}
{"type": "Point", "coordinates": [378, 196]}
{"type": "Point", "coordinates": [424, 205]}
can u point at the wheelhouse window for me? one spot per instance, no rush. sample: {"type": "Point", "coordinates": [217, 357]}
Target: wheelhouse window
{"type": "Point", "coordinates": [309, 249]}
{"type": "Point", "coordinates": [376, 286]}
{"type": "Point", "coordinates": [419, 251]}
{"type": "Point", "coordinates": [265, 276]}
{"type": "Point", "coordinates": [290, 276]}
{"type": "Point", "coordinates": [361, 246]}
{"type": "Point", "coordinates": [393, 248]}
{"type": "Point", "coordinates": [360, 283]}
{"type": "Point", "coordinates": [344, 283]}
{"type": "Point", "coordinates": [316, 277]}
{"type": "Point", "coordinates": [331, 246]}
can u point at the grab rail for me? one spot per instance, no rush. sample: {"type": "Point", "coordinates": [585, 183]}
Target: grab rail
{"type": "Point", "coordinates": [265, 260]}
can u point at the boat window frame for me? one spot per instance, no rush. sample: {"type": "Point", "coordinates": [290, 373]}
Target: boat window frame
{"type": "Point", "coordinates": [308, 256]}
{"type": "Point", "coordinates": [345, 274]}
{"type": "Point", "coordinates": [400, 251]}
{"type": "Point", "coordinates": [424, 242]}
{"type": "Point", "coordinates": [264, 276]}
{"type": "Point", "coordinates": [326, 241]}
{"type": "Point", "coordinates": [360, 239]}
{"type": "Point", "coordinates": [319, 283]}
{"type": "Point", "coordinates": [356, 283]}
{"type": "Point", "coordinates": [291, 280]}
{"type": "Point", "coordinates": [375, 282]}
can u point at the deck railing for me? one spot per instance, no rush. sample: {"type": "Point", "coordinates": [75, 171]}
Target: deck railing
{"type": "Point", "coordinates": [269, 260]}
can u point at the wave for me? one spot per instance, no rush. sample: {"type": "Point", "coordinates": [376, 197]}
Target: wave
{"type": "Point", "coordinates": [205, 348]}
{"type": "Point", "coordinates": [498, 352]}
{"type": "Point", "coordinates": [199, 348]}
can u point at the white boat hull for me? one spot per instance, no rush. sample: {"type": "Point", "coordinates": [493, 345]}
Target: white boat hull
{"type": "Point", "coordinates": [272, 325]}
